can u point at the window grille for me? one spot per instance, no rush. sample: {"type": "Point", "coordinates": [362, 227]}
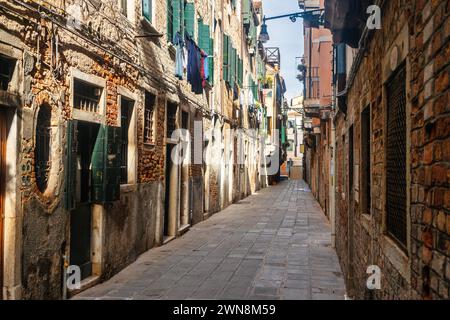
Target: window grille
{"type": "Point", "coordinates": [6, 70]}
{"type": "Point", "coordinates": [171, 119]}
{"type": "Point", "coordinates": [42, 147]}
{"type": "Point", "coordinates": [396, 157]}
{"type": "Point", "coordinates": [87, 96]}
{"type": "Point", "coordinates": [148, 117]}
{"type": "Point", "coordinates": [366, 159]}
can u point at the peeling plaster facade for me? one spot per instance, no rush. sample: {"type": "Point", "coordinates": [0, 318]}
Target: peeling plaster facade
{"type": "Point", "coordinates": [93, 42]}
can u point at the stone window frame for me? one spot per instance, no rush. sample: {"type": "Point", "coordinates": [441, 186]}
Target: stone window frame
{"type": "Point", "coordinates": [399, 257]}
{"type": "Point", "coordinates": [132, 166]}
{"type": "Point", "coordinates": [91, 79]}
{"type": "Point", "coordinates": [130, 10]}
{"type": "Point", "coordinates": [11, 267]}
{"type": "Point", "coordinates": [152, 23]}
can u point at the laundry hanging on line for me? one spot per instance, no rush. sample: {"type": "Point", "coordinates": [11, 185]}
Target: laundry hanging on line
{"type": "Point", "coordinates": [193, 61]}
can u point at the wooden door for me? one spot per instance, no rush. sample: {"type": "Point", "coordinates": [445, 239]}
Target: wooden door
{"type": "Point", "coordinates": [2, 189]}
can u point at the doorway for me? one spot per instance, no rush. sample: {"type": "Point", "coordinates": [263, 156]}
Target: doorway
{"type": "Point", "coordinates": [81, 216]}
{"type": "Point", "coordinates": [3, 137]}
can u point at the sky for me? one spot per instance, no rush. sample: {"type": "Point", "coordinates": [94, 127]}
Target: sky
{"type": "Point", "coordinates": [288, 36]}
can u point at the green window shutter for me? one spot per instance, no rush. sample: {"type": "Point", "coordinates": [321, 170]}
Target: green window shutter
{"type": "Point", "coordinates": [176, 17]}
{"type": "Point", "coordinates": [113, 161]}
{"type": "Point", "coordinates": [71, 166]}
{"type": "Point", "coordinates": [225, 57]}
{"type": "Point", "coordinates": [189, 16]}
{"type": "Point", "coordinates": [200, 33]}
{"type": "Point", "coordinates": [211, 62]}
{"type": "Point", "coordinates": [206, 39]}
{"type": "Point", "coordinates": [236, 67]}
{"type": "Point", "coordinates": [106, 165]}
{"type": "Point", "coordinates": [246, 11]}
{"type": "Point", "coordinates": [233, 66]}
{"type": "Point", "coordinates": [230, 61]}
{"type": "Point", "coordinates": [203, 36]}
{"type": "Point", "coordinates": [98, 166]}
{"type": "Point", "coordinates": [241, 71]}
{"type": "Point", "coordinates": [147, 9]}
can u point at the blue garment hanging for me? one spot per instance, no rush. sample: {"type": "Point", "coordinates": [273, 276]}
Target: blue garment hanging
{"type": "Point", "coordinates": [193, 74]}
{"type": "Point", "coordinates": [179, 56]}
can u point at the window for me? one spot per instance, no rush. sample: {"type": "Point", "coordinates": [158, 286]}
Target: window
{"type": "Point", "coordinates": [124, 7]}
{"type": "Point", "coordinates": [149, 112]}
{"type": "Point", "coordinates": [87, 96]}
{"type": "Point", "coordinates": [6, 71]}
{"type": "Point", "coordinates": [147, 10]}
{"type": "Point", "coordinates": [42, 147]}
{"type": "Point", "coordinates": [396, 157]}
{"type": "Point", "coordinates": [365, 160]}
{"type": "Point", "coordinates": [175, 14]}
{"type": "Point", "coordinates": [126, 112]}
{"type": "Point", "coordinates": [171, 119]}
{"type": "Point", "coordinates": [290, 148]}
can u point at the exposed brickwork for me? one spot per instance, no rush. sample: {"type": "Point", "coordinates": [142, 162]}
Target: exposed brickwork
{"type": "Point", "coordinates": [106, 48]}
{"type": "Point", "coordinates": [421, 269]}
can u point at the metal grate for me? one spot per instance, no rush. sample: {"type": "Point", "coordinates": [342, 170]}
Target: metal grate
{"type": "Point", "coordinates": [171, 119]}
{"type": "Point", "coordinates": [149, 110]}
{"type": "Point", "coordinates": [396, 157]}
{"type": "Point", "coordinates": [42, 148]}
{"type": "Point", "coordinates": [87, 96]}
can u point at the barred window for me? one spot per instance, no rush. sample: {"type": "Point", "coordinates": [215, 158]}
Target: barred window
{"type": "Point", "coordinates": [87, 96]}
{"type": "Point", "coordinates": [149, 112]}
{"type": "Point", "coordinates": [366, 133]}
{"type": "Point", "coordinates": [6, 71]}
{"type": "Point", "coordinates": [172, 110]}
{"type": "Point", "coordinates": [42, 147]}
{"type": "Point", "coordinates": [396, 156]}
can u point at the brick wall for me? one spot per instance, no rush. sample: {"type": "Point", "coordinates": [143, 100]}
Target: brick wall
{"type": "Point", "coordinates": [421, 270]}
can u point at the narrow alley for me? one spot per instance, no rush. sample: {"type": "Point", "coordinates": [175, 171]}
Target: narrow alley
{"type": "Point", "coordinates": [273, 245]}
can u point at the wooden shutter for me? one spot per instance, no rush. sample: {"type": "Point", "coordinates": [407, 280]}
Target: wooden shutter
{"type": "Point", "coordinates": [246, 11]}
{"type": "Point", "coordinates": [147, 9]}
{"type": "Point", "coordinates": [225, 57]}
{"type": "Point", "coordinates": [98, 166]}
{"type": "Point", "coordinates": [230, 60]}
{"type": "Point", "coordinates": [176, 17]}
{"type": "Point", "coordinates": [189, 16]}
{"type": "Point", "coordinates": [106, 165]}
{"type": "Point", "coordinates": [71, 165]}
{"type": "Point", "coordinates": [203, 36]}
{"type": "Point", "coordinates": [240, 72]}
{"type": "Point", "coordinates": [233, 66]}
{"type": "Point", "coordinates": [112, 163]}
{"type": "Point", "coordinates": [211, 62]}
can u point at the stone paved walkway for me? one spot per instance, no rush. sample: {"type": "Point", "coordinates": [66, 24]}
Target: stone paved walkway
{"type": "Point", "coordinates": [273, 245]}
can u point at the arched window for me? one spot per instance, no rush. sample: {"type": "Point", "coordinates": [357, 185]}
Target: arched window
{"type": "Point", "coordinates": [42, 147]}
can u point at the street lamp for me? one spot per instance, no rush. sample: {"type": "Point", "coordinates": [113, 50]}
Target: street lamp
{"type": "Point", "coordinates": [264, 35]}
{"type": "Point", "coordinates": [312, 16]}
